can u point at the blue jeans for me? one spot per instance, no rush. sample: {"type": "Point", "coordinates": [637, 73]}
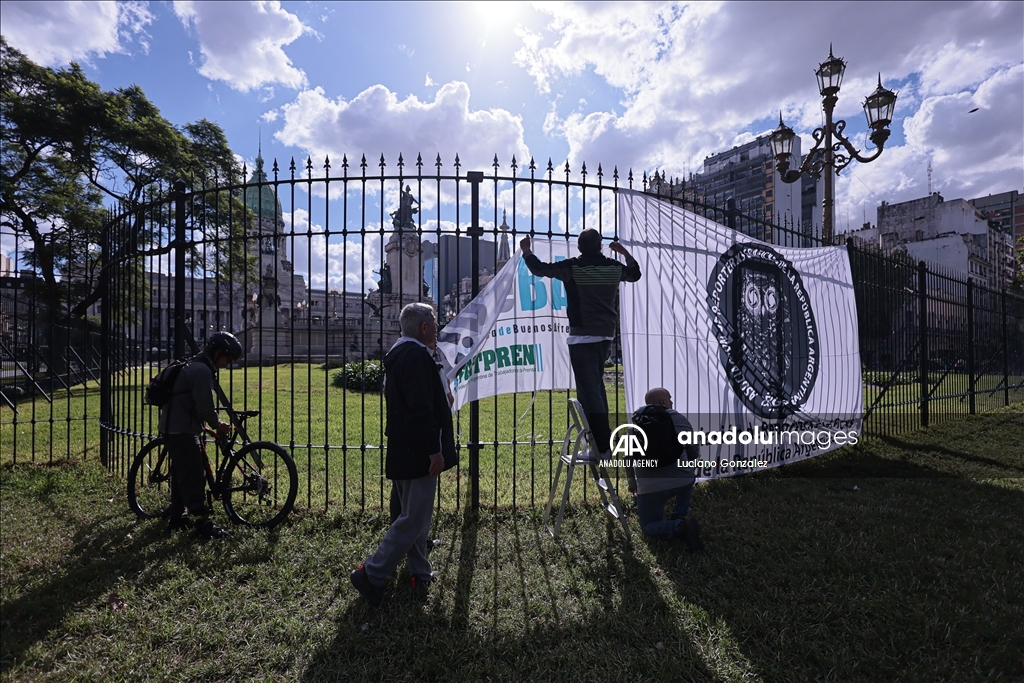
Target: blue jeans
{"type": "Point", "coordinates": [587, 362]}
{"type": "Point", "coordinates": [408, 535]}
{"type": "Point", "coordinates": [650, 507]}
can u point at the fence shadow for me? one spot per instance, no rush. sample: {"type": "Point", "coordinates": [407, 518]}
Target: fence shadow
{"type": "Point", "coordinates": [107, 549]}
{"type": "Point", "coordinates": [864, 578]}
{"type": "Point", "coordinates": [535, 610]}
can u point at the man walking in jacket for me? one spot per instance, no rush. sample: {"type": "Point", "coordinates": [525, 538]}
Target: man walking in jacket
{"type": "Point", "coordinates": [592, 291]}
{"type": "Point", "coordinates": [420, 445]}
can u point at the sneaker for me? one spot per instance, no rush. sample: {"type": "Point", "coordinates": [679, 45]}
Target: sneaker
{"type": "Point", "coordinates": [372, 594]}
{"type": "Point", "coordinates": [206, 529]}
{"type": "Point", "coordinates": [690, 534]}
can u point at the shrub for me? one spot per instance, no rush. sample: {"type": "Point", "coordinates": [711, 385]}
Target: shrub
{"type": "Point", "coordinates": [365, 376]}
{"type": "Point", "coordinates": [332, 365]}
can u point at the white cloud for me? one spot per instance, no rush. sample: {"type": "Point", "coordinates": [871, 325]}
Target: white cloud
{"type": "Point", "coordinates": [56, 33]}
{"type": "Point", "coordinates": [429, 82]}
{"type": "Point", "coordinates": [376, 122]}
{"type": "Point", "coordinates": [242, 43]}
{"type": "Point", "coordinates": [694, 80]}
{"type": "Point", "coordinates": [333, 262]}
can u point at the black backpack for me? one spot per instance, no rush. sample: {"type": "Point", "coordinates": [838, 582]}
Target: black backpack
{"type": "Point", "coordinates": [161, 387]}
{"type": "Point", "coordinates": [662, 443]}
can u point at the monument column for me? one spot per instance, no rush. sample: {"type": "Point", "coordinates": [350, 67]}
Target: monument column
{"type": "Point", "coordinates": [401, 280]}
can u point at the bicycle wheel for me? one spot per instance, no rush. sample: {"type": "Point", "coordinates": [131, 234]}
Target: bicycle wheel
{"type": "Point", "coordinates": [259, 486]}
{"type": "Point", "coordinates": [149, 481]}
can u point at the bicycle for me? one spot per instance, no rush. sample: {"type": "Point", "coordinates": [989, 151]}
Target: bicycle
{"type": "Point", "coordinates": [257, 483]}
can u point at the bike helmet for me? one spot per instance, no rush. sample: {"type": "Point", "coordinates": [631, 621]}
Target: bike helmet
{"type": "Point", "coordinates": [225, 343]}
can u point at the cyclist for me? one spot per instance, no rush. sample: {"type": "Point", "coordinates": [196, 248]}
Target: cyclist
{"type": "Point", "coordinates": [181, 424]}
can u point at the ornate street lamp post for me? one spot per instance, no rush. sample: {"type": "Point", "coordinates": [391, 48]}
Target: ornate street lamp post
{"type": "Point", "coordinates": [833, 150]}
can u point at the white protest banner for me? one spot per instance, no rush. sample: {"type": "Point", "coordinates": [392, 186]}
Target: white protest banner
{"type": "Point", "coordinates": [511, 336]}
{"type": "Point", "coordinates": [757, 343]}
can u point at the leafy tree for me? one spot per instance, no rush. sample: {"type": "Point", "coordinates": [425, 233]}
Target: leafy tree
{"type": "Point", "coordinates": [68, 146]}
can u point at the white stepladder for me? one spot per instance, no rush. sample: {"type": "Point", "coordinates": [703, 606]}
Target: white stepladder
{"type": "Point", "coordinates": [578, 437]}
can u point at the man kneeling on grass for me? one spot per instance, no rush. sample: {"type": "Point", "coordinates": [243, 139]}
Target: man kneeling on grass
{"type": "Point", "coordinates": [655, 486]}
{"type": "Point", "coordinates": [421, 445]}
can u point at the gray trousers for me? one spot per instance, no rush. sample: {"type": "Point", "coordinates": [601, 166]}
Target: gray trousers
{"type": "Point", "coordinates": [408, 535]}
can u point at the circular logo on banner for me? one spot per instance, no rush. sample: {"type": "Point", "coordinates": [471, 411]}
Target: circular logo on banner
{"type": "Point", "coordinates": [762, 318]}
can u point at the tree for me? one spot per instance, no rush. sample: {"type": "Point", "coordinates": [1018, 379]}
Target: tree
{"type": "Point", "coordinates": [68, 147]}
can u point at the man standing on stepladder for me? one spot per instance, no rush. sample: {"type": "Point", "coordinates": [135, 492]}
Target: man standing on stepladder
{"type": "Point", "coordinates": [592, 291]}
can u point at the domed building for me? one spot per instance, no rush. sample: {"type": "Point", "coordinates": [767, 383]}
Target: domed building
{"type": "Point", "coordinates": [268, 241]}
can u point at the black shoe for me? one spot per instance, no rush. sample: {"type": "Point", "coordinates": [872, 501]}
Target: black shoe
{"type": "Point", "coordinates": [206, 530]}
{"type": "Point", "coordinates": [690, 532]}
{"type": "Point", "coordinates": [179, 523]}
{"type": "Point", "coordinates": [372, 594]}
{"type": "Point", "coordinates": [420, 588]}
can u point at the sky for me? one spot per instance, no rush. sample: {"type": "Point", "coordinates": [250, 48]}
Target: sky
{"type": "Point", "coordinates": [641, 86]}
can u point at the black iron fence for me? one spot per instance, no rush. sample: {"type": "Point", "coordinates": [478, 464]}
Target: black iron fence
{"type": "Point", "coordinates": [310, 270]}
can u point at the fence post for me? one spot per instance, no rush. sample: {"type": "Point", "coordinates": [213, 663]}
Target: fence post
{"type": "Point", "coordinates": [970, 342]}
{"type": "Point", "coordinates": [178, 196]}
{"type": "Point", "coordinates": [922, 289]}
{"type": "Point", "coordinates": [106, 390]}
{"type": "Point", "coordinates": [475, 232]}
{"type": "Point", "coordinates": [1006, 353]}
{"type": "Point", "coordinates": [730, 213]}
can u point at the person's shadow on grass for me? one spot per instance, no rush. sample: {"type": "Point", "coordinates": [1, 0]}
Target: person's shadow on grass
{"type": "Point", "coordinates": [512, 604]}
{"type": "Point", "coordinates": [870, 569]}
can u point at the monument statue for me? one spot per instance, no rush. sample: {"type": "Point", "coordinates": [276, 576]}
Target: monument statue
{"type": "Point", "coordinates": [268, 293]}
{"type": "Point", "coordinates": [402, 219]}
{"type": "Point", "coordinates": [385, 279]}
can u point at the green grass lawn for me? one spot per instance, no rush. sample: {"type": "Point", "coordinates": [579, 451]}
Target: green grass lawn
{"type": "Point", "coordinates": [335, 435]}
{"type": "Point", "coordinates": [898, 559]}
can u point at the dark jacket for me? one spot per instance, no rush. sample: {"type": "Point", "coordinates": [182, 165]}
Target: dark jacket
{"type": "Point", "coordinates": [191, 405]}
{"type": "Point", "coordinates": [654, 479]}
{"type": "Point", "coordinates": [591, 289]}
{"type": "Point", "coordinates": [419, 418]}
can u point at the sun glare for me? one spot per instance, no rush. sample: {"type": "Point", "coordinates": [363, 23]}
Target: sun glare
{"type": "Point", "coordinates": [495, 14]}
